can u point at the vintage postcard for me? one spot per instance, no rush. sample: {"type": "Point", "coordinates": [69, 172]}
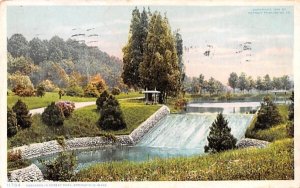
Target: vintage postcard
{"type": "Point", "coordinates": [143, 94]}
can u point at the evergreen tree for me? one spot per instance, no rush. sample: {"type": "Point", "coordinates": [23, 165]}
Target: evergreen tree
{"type": "Point", "coordinates": [111, 116]}
{"type": "Point", "coordinates": [53, 115]}
{"type": "Point", "coordinates": [220, 138]}
{"type": "Point", "coordinates": [101, 99]}
{"type": "Point", "coordinates": [160, 68]}
{"type": "Point", "coordinates": [22, 112]}
{"type": "Point", "coordinates": [12, 125]}
{"type": "Point", "coordinates": [268, 115]}
{"type": "Point", "coordinates": [133, 51]}
{"type": "Point", "coordinates": [179, 50]}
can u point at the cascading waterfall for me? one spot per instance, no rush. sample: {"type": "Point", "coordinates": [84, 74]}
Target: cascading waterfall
{"type": "Point", "coordinates": [190, 130]}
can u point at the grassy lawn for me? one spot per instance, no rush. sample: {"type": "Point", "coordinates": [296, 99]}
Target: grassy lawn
{"type": "Point", "coordinates": [81, 124]}
{"type": "Point", "coordinates": [276, 162]}
{"type": "Point", "coordinates": [38, 102]}
{"type": "Point", "coordinates": [274, 133]}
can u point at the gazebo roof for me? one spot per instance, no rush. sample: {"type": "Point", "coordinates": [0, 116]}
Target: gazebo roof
{"type": "Point", "coordinates": [151, 91]}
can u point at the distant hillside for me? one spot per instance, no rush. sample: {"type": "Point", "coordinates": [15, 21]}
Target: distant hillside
{"type": "Point", "coordinates": [72, 56]}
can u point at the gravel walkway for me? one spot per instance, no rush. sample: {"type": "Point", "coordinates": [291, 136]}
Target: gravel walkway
{"type": "Point", "coordinates": [77, 105]}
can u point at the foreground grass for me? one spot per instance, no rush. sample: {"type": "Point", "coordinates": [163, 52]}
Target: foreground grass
{"type": "Point", "coordinates": [38, 102]}
{"type": "Point", "coordinates": [274, 133]}
{"type": "Point", "coordinates": [82, 123]}
{"type": "Point", "coordinates": [276, 162]}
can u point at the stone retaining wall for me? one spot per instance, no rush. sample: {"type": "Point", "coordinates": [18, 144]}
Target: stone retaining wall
{"type": "Point", "coordinates": [51, 147]}
{"type": "Point", "coordinates": [139, 132]}
{"type": "Point", "coordinates": [28, 174]}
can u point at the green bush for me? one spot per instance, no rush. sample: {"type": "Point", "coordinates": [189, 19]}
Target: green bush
{"type": "Point", "coordinates": [115, 91]}
{"type": "Point", "coordinates": [220, 138]}
{"type": "Point", "coordinates": [23, 116]}
{"type": "Point", "coordinates": [268, 115]}
{"type": "Point", "coordinates": [111, 116]}
{"type": "Point", "coordinates": [53, 115]}
{"type": "Point", "coordinates": [40, 91]}
{"type": "Point", "coordinates": [12, 125]}
{"type": "Point", "coordinates": [290, 124]}
{"type": "Point", "coordinates": [74, 90]}
{"type": "Point", "coordinates": [101, 99]}
{"type": "Point", "coordinates": [61, 168]}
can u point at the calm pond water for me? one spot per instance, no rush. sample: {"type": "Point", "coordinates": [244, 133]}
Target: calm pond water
{"type": "Point", "coordinates": [175, 135]}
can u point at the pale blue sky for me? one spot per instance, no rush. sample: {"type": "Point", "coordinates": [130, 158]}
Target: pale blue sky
{"type": "Point", "coordinates": [270, 30]}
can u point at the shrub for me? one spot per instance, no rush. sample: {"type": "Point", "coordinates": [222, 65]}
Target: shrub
{"type": "Point", "coordinates": [61, 141]}
{"type": "Point", "coordinates": [23, 92]}
{"type": "Point", "coordinates": [66, 107]}
{"type": "Point", "coordinates": [290, 124]}
{"type": "Point", "coordinates": [101, 99]}
{"type": "Point", "coordinates": [53, 115]}
{"type": "Point", "coordinates": [91, 91]}
{"type": "Point", "coordinates": [115, 91]}
{"type": "Point", "coordinates": [17, 79]}
{"type": "Point", "coordinates": [15, 161]}
{"type": "Point", "coordinates": [74, 90]}
{"type": "Point", "coordinates": [180, 104]}
{"type": "Point", "coordinates": [40, 91]}
{"type": "Point", "coordinates": [49, 85]}
{"type": "Point", "coordinates": [220, 138]}
{"type": "Point", "coordinates": [22, 112]}
{"type": "Point", "coordinates": [12, 125]}
{"type": "Point", "coordinates": [61, 168]}
{"type": "Point", "coordinates": [268, 115]}
{"type": "Point", "coordinates": [111, 115]}
{"type": "Point", "coordinates": [98, 82]}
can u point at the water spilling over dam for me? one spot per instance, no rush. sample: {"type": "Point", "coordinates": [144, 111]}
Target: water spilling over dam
{"type": "Point", "coordinates": [173, 136]}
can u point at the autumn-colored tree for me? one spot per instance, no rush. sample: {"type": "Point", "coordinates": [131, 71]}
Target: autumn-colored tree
{"type": "Point", "coordinates": [98, 82]}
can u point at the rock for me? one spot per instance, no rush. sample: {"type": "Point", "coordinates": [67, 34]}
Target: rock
{"type": "Point", "coordinates": [30, 173]}
{"type": "Point", "coordinates": [247, 142]}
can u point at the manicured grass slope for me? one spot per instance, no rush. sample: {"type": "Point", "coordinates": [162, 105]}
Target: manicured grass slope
{"type": "Point", "coordinates": [82, 123]}
{"type": "Point", "coordinates": [276, 162]}
{"type": "Point", "coordinates": [38, 102]}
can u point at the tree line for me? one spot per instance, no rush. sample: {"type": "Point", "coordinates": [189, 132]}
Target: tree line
{"type": "Point", "coordinates": [201, 85]}
{"type": "Point", "coordinates": [242, 82]}
{"type": "Point", "coordinates": [265, 83]}
{"type": "Point", "coordinates": [152, 56]}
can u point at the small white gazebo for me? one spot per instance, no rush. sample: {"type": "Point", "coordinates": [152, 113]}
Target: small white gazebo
{"type": "Point", "coordinates": [151, 96]}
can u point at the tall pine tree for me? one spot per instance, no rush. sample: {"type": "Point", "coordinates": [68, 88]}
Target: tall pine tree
{"type": "Point", "coordinates": [133, 51]}
{"type": "Point", "coordinates": [179, 50]}
{"type": "Point", "coordinates": [160, 68]}
{"type": "Point", "coordinates": [220, 138]}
